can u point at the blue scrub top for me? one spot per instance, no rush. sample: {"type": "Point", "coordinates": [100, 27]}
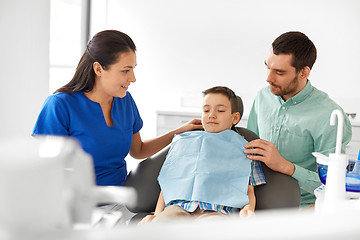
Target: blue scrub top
{"type": "Point", "coordinates": [77, 116]}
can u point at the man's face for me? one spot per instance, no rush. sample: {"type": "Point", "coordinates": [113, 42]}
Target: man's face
{"type": "Point", "coordinates": [282, 76]}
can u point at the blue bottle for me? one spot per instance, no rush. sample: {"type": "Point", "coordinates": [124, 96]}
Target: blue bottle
{"type": "Point", "coordinates": [356, 169]}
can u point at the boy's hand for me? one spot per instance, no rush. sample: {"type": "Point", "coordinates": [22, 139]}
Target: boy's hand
{"type": "Point", "coordinates": [146, 219]}
{"type": "Point", "coordinates": [246, 212]}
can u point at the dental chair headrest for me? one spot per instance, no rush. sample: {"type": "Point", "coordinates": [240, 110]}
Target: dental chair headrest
{"type": "Point", "coordinates": [240, 107]}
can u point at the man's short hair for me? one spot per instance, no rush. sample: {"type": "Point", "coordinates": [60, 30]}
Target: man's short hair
{"type": "Point", "coordinates": [297, 44]}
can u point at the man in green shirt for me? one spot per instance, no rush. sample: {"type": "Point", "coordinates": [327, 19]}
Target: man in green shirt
{"type": "Point", "coordinates": [292, 117]}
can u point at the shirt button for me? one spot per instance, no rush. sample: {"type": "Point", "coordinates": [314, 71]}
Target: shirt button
{"type": "Point", "coordinates": [294, 102]}
{"type": "Point", "coordinates": [283, 108]}
{"type": "Point", "coordinates": [277, 128]}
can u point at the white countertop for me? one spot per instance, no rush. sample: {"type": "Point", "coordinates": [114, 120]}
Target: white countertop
{"type": "Point", "coordinates": [355, 122]}
{"type": "Point", "coordinates": [180, 111]}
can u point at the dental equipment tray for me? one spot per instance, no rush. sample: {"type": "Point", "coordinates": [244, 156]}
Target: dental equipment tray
{"type": "Point", "coordinates": [352, 181]}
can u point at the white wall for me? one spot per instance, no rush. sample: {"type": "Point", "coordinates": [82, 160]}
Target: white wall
{"type": "Point", "coordinates": [24, 64]}
{"type": "Point", "coordinates": [186, 46]}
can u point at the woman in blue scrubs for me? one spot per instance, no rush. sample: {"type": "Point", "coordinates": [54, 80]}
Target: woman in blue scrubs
{"type": "Point", "coordinates": [96, 109]}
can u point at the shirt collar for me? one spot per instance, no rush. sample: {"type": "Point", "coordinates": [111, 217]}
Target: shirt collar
{"type": "Point", "coordinates": [301, 96]}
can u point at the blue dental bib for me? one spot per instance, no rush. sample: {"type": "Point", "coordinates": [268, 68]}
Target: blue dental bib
{"type": "Point", "coordinates": [206, 167]}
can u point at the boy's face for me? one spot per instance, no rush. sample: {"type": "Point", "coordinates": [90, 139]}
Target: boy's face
{"type": "Point", "coordinates": [216, 113]}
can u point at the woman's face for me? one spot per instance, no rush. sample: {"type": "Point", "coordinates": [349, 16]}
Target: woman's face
{"type": "Point", "coordinates": [116, 79]}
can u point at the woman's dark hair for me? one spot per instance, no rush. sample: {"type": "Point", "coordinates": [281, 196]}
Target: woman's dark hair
{"type": "Point", "coordinates": [105, 48]}
{"type": "Point", "coordinates": [297, 44]}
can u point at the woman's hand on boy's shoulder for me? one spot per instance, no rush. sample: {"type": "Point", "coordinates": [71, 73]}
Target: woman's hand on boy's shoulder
{"type": "Point", "coordinates": [189, 126]}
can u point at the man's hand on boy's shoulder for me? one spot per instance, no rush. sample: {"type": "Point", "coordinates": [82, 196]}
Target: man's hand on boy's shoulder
{"type": "Point", "coordinates": [266, 152]}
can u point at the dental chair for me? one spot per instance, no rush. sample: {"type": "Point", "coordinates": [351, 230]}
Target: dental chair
{"type": "Point", "coordinates": [280, 190]}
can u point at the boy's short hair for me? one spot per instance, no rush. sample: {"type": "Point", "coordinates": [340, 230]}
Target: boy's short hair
{"type": "Point", "coordinates": [226, 92]}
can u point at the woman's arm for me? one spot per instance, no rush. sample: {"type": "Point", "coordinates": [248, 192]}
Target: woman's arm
{"type": "Point", "coordinates": [143, 149]}
{"type": "Point", "coordinates": [249, 209]}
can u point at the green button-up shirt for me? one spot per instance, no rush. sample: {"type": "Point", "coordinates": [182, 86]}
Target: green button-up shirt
{"type": "Point", "coordinates": [298, 127]}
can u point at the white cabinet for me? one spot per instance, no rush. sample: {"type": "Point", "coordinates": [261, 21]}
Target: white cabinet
{"type": "Point", "coordinates": [352, 149]}
{"type": "Point", "coordinates": [169, 120]}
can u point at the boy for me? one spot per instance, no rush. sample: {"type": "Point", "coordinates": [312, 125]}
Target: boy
{"type": "Point", "coordinates": [206, 172]}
